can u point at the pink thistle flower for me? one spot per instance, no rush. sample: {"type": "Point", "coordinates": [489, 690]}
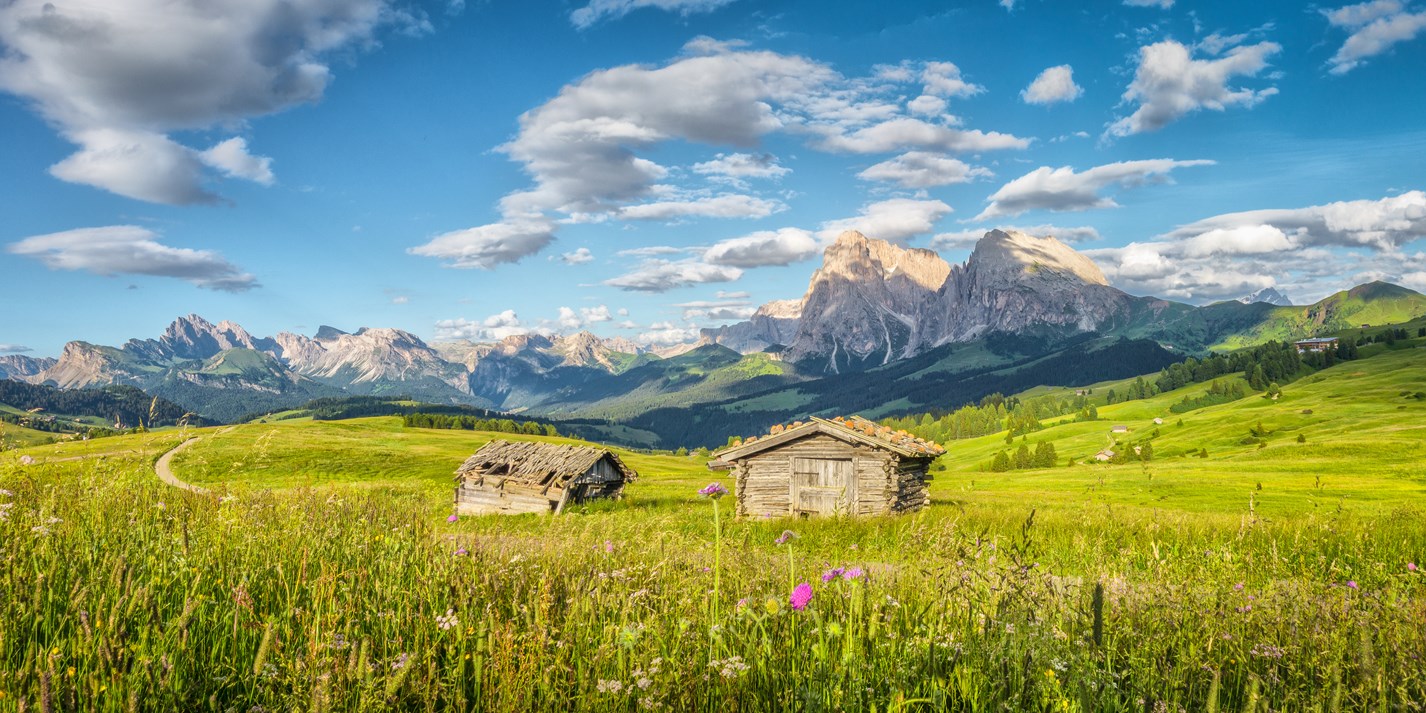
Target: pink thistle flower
{"type": "Point", "coordinates": [1352, 584]}
{"type": "Point", "coordinates": [853, 574]}
{"type": "Point", "coordinates": [832, 574]}
{"type": "Point", "coordinates": [788, 536]}
{"type": "Point", "coordinates": [461, 552]}
{"type": "Point", "coordinates": [801, 595]}
{"type": "Point", "coordinates": [608, 546]}
{"type": "Point", "coordinates": [453, 518]}
{"type": "Point", "coordinates": [713, 490]}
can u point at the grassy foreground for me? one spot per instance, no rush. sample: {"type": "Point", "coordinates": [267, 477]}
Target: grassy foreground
{"type": "Point", "coordinates": [117, 593]}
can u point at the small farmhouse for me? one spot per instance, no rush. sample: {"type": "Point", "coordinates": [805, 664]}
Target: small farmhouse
{"type": "Point", "coordinates": [842, 466]}
{"type": "Point", "coordinates": [1158, 422]}
{"type": "Point", "coordinates": [523, 477]}
{"type": "Point", "coordinates": [1104, 456]}
{"type": "Point", "coordinates": [1316, 344]}
{"type": "Point", "coordinates": [1119, 429]}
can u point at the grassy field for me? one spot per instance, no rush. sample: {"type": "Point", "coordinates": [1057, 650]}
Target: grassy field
{"type": "Point", "coordinates": [322, 574]}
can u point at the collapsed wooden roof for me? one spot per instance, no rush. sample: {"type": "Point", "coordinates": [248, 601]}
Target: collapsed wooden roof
{"type": "Point", "coordinates": [537, 465]}
{"type": "Point", "coordinates": [852, 429]}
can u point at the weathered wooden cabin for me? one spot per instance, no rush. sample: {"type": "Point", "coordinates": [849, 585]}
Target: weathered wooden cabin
{"type": "Point", "coordinates": [511, 477]}
{"type": "Point", "coordinates": [844, 466]}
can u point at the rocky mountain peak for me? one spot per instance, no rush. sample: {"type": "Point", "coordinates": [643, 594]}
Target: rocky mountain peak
{"type": "Point", "coordinates": [1269, 295]}
{"type": "Point", "coordinates": [193, 337]}
{"type": "Point", "coordinates": [327, 333]}
{"type": "Point", "coordinates": [854, 255]}
{"type": "Point", "coordinates": [1014, 255]}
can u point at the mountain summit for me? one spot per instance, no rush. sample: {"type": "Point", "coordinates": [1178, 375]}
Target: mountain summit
{"type": "Point", "coordinates": [873, 302]}
{"type": "Point", "coordinates": [1269, 295]}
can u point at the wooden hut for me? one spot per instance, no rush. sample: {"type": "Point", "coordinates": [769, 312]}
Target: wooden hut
{"type": "Point", "coordinates": [843, 466]}
{"type": "Point", "coordinates": [510, 477]}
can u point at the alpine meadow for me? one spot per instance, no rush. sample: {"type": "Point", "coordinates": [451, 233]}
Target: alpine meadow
{"type": "Point", "coordinates": [712, 355]}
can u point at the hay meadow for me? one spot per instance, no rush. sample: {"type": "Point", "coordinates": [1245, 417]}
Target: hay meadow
{"type": "Point", "coordinates": [320, 572]}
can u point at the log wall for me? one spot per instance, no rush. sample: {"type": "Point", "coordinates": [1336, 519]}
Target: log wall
{"type": "Point", "coordinates": [884, 483]}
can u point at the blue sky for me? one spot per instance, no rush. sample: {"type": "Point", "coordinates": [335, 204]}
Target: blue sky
{"type": "Point", "coordinates": [643, 168]}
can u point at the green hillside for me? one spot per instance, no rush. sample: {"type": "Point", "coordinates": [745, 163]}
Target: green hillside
{"type": "Point", "coordinates": [1363, 423]}
{"type": "Point", "coordinates": [1375, 304]}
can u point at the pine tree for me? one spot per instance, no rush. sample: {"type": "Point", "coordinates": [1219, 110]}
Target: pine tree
{"type": "Point", "coordinates": [1146, 453]}
{"type": "Point", "coordinates": [1023, 459]}
{"type": "Point", "coordinates": [1000, 463]}
{"type": "Point", "coordinates": [1045, 455]}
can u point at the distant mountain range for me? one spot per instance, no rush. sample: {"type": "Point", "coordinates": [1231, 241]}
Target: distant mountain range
{"type": "Point", "coordinates": [878, 326]}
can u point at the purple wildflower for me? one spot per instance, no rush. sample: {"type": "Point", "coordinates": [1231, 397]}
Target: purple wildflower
{"type": "Point", "coordinates": [801, 595]}
{"type": "Point", "coordinates": [608, 546]}
{"type": "Point", "coordinates": [1238, 587]}
{"type": "Point", "coordinates": [713, 490]}
{"type": "Point", "coordinates": [1352, 584]}
{"type": "Point", "coordinates": [853, 574]}
{"type": "Point", "coordinates": [788, 536]}
{"type": "Point", "coordinates": [832, 574]}
{"type": "Point", "coordinates": [1410, 566]}
{"type": "Point", "coordinates": [461, 552]}
{"type": "Point", "coordinates": [453, 518]}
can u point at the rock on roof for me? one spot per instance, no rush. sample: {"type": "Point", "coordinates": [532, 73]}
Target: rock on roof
{"type": "Point", "coordinates": [537, 464]}
{"type": "Point", "coordinates": [855, 426]}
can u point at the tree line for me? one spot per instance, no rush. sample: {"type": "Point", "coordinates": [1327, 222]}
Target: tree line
{"type": "Point", "coordinates": [472, 423]}
{"type": "Point", "coordinates": [126, 405]}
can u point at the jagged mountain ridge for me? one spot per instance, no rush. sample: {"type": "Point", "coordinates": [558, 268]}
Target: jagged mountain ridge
{"type": "Point", "coordinates": [1270, 295]}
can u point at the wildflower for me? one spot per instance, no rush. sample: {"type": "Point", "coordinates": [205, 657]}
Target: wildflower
{"type": "Point", "coordinates": [772, 605]}
{"type": "Point", "coordinates": [454, 517]}
{"type": "Point", "coordinates": [26, 460]}
{"type": "Point", "coordinates": [449, 621]}
{"type": "Point", "coordinates": [801, 595]}
{"type": "Point", "coordinates": [160, 505]}
{"type": "Point", "coordinates": [1267, 651]}
{"type": "Point", "coordinates": [713, 490]}
{"type": "Point", "coordinates": [1352, 584]}
{"type": "Point", "coordinates": [853, 574]}
{"type": "Point", "coordinates": [5, 493]}
{"type": "Point", "coordinates": [1238, 587]}
{"type": "Point", "coordinates": [610, 687]}
{"type": "Point", "coordinates": [461, 552]}
{"type": "Point", "coordinates": [1411, 566]}
{"type": "Point", "coordinates": [608, 546]}
{"type": "Point", "coordinates": [400, 662]}
{"type": "Point", "coordinates": [832, 574]}
{"type": "Point", "coordinates": [788, 536]}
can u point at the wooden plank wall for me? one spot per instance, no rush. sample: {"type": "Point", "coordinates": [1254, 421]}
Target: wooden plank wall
{"type": "Point", "coordinates": [474, 499]}
{"type": "Point", "coordinates": [884, 482]}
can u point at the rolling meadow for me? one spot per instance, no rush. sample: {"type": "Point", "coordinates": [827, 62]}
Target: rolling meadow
{"type": "Point", "coordinates": [320, 571]}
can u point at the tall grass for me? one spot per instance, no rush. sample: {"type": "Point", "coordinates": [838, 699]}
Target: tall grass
{"type": "Point", "coordinates": [119, 594]}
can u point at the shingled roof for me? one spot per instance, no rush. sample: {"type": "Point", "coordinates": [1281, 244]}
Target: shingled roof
{"type": "Point", "coordinates": [533, 464]}
{"type": "Point", "coordinates": [849, 428]}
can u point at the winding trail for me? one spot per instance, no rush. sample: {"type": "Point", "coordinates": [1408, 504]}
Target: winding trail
{"type": "Point", "coordinates": [164, 470]}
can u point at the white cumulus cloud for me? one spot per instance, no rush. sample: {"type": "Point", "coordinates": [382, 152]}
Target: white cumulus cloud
{"type": "Point", "coordinates": [486, 246]}
{"type": "Point", "coordinates": [1062, 189]}
{"type": "Point", "coordinates": [1055, 84]}
{"type": "Point", "coordinates": [1170, 83]}
{"type": "Point", "coordinates": [132, 250]}
{"type": "Point", "coordinates": [663, 275]}
{"type": "Point", "coordinates": [894, 220]}
{"type": "Point", "coordinates": [922, 169]}
{"type": "Point", "coordinates": [118, 78]}
{"type": "Point", "coordinates": [763, 248]}
{"type": "Point", "coordinates": [1375, 28]}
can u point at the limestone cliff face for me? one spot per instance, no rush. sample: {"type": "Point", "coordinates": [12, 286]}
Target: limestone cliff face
{"type": "Point", "coordinates": [872, 302]}
{"type": "Point", "coordinates": [1014, 281]}
{"type": "Point", "coordinates": [775, 323]}
{"type": "Point", "coordinates": [19, 366]}
{"type": "Point", "coordinates": [867, 302]}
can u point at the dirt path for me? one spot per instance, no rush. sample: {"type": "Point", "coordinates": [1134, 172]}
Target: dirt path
{"type": "Point", "coordinates": [163, 468]}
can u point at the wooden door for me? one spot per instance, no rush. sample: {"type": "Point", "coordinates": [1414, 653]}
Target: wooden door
{"type": "Point", "coordinates": [822, 486]}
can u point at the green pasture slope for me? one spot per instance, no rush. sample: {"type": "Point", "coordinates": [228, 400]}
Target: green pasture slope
{"type": "Point", "coordinates": [321, 574]}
